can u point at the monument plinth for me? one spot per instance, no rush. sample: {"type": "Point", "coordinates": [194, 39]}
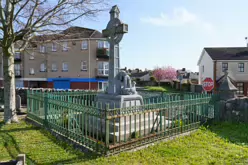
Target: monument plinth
{"type": "Point", "coordinates": [121, 91]}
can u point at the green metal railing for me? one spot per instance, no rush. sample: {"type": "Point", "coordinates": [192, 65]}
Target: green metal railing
{"type": "Point", "coordinates": [96, 126]}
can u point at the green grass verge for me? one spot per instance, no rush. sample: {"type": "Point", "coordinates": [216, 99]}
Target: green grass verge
{"type": "Point", "coordinates": [223, 143]}
{"type": "Point", "coordinates": [160, 88]}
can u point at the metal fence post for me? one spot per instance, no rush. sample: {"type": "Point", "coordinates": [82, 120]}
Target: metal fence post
{"type": "Point", "coordinates": [45, 97]}
{"type": "Point", "coordinates": [106, 128]}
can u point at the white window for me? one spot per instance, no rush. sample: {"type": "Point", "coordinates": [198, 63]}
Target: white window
{"type": "Point", "coordinates": [31, 57]}
{"type": "Point", "coordinates": [54, 67]}
{"type": "Point", "coordinates": [43, 67]}
{"type": "Point", "coordinates": [17, 69]}
{"type": "Point", "coordinates": [42, 48]}
{"type": "Point", "coordinates": [84, 65]}
{"type": "Point", "coordinates": [103, 44]}
{"type": "Point", "coordinates": [64, 67]}
{"type": "Point", "coordinates": [103, 68]}
{"type": "Point", "coordinates": [54, 47]}
{"type": "Point", "coordinates": [65, 46]}
{"type": "Point", "coordinates": [17, 55]}
{"type": "Point", "coordinates": [240, 87]}
{"type": "Point", "coordinates": [84, 44]}
{"type": "Point", "coordinates": [31, 71]}
{"type": "Point", "coordinates": [102, 86]}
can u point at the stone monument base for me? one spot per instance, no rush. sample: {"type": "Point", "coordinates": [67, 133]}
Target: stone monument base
{"type": "Point", "coordinates": [127, 126]}
{"type": "Point", "coordinates": [119, 101]}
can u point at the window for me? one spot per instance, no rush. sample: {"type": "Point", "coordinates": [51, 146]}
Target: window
{"type": "Point", "coordinates": [42, 67]}
{"type": "Point", "coordinates": [84, 66]}
{"type": "Point", "coordinates": [65, 46]}
{"type": "Point", "coordinates": [103, 44]}
{"type": "Point", "coordinates": [241, 67]}
{"type": "Point", "coordinates": [31, 57]}
{"type": "Point", "coordinates": [17, 69]}
{"type": "Point", "coordinates": [17, 55]}
{"type": "Point", "coordinates": [54, 47]}
{"type": "Point", "coordinates": [224, 67]}
{"type": "Point", "coordinates": [103, 68]}
{"type": "Point", "coordinates": [64, 67]}
{"type": "Point", "coordinates": [54, 67]}
{"type": "Point", "coordinates": [202, 68]}
{"type": "Point", "coordinates": [240, 87]}
{"type": "Point", "coordinates": [84, 45]}
{"type": "Point", "coordinates": [31, 71]}
{"type": "Point", "coordinates": [42, 49]}
{"type": "Point", "coordinates": [102, 86]}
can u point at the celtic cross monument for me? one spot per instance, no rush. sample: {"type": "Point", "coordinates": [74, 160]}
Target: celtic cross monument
{"type": "Point", "coordinates": [121, 90]}
{"type": "Point", "coordinates": [114, 33]}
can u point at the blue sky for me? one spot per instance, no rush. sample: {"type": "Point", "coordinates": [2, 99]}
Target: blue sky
{"type": "Point", "coordinates": [173, 33]}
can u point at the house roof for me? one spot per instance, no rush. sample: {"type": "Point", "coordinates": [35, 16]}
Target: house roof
{"type": "Point", "coordinates": [139, 74]}
{"type": "Point", "coordinates": [74, 32]}
{"type": "Point", "coordinates": [228, 53]}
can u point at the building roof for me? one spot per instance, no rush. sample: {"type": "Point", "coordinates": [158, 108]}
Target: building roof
{"type": "Point", "coordinates": [139, 74]}
{"type": "Point", "coordinates": [74, 32]}
{"type": "Point", "coordinates": [228, 53]}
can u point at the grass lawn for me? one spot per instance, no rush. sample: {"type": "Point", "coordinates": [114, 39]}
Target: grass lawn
{"type": "Point", "coordinates": [161, 88]}
{"type": "Point", "coordinates": [219, 144]}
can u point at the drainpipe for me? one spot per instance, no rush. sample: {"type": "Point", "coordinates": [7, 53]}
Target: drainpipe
{"type": "Point", "coordinates": [215, 70]}
{"type": "Point", "coordinates": [89, 63]}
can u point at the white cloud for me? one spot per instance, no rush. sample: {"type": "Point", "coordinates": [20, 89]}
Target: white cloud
{"type": "Point", "coordinates": [179, 17]}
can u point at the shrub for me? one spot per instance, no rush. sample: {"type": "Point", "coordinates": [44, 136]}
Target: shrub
{"type": "Point", "coordinates": [152, 78]}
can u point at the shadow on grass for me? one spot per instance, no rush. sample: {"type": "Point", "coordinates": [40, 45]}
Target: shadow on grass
{"type": "Point", "coordinates": [13, 149]}
{"type": "Point", "coordinates": [11, 145]}
{"type": "Point", "coordinates": [80, 156]}
{"type": "Point", "coordinates": [236, 133]}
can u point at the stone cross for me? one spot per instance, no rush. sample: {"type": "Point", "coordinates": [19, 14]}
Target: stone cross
{"type": "Point", "coordinates": [114, 33]}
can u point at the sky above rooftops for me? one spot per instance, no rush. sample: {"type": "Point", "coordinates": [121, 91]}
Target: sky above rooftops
{"type": "Point", "coordinates": [173, 33]}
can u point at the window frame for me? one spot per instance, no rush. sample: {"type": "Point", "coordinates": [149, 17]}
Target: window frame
{"type": "Point", "coordinates": [18, 56]}
{"type": "Point", "coordinates": [65, 46]}
{"type": "Point", "coordinates": [102, 44]}
{"type": "Point", "coordinates": [43, 69]}
{"type": "Point", "coordinates": [54, 69]}
{"type": "Point", "coordinates": [42, 49]}
{"type": "Point", "coordinates": [223, 66]}
{"type": "Point", "coordinates": [54, 47]}
{"type": "Point", "coordinates": [241, 69]}
{"type": "Point", "coordinates": [17, 69]}
{"type": "Point", "coordinates": [84, 45]}
{"type": "Point", "coordinates": [104, 71]}
{"type": "Point", "coordinates": [63, 67]}
{"type": "Point", "coordinates": [238, 86]}
{"type": "Point", "coordinates": [84, 64]}
{"type": "Point", "coordinates": [31, 73]}
{"type": "Point", "coordinates": [31, 56]}
{"type": "Point", "coordinates": [103, 85]}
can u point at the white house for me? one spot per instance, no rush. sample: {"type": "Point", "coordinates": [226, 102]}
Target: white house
{"type": "Point", "coordinates": [213, 63]}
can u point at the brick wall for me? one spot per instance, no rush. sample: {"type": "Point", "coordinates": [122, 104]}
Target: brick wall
{"type": "Point", "coordinates": [49, 84]}
{"type": "Point", "coordinates": [84, 85]}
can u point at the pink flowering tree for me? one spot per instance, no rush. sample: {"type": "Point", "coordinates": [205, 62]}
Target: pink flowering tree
{"type": "Point", "coordinates": [162, 73]}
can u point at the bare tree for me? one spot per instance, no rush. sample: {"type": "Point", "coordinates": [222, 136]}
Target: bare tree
{"type": "Point", "coordinates": [22, 20]}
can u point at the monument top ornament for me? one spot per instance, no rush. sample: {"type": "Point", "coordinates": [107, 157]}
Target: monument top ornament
{"type": "Point", "coordinates": [115, 28]}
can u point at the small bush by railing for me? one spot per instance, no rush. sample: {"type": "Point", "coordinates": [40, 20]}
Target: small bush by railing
{"type": "Point", "coordinates": [107, 130]}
